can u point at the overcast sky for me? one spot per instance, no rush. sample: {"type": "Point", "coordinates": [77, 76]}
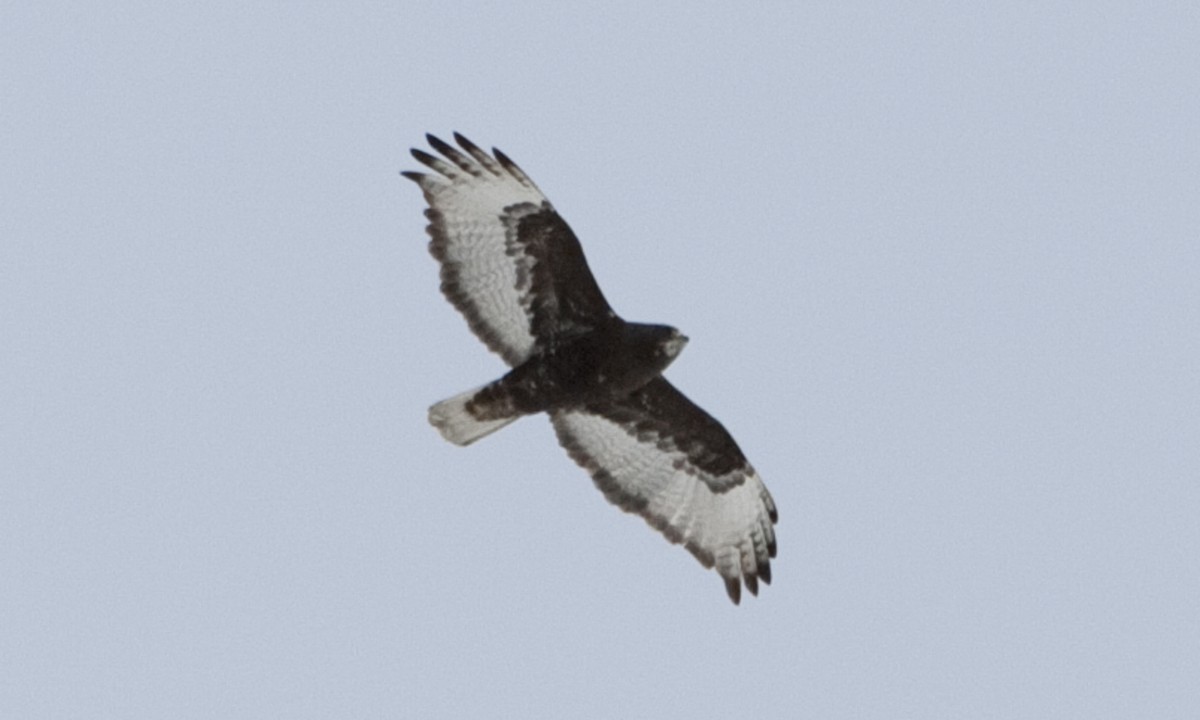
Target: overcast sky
{"type": "Point", "coordinates": [940, 267]}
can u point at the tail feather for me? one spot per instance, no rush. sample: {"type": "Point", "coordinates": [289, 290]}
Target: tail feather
{"type": "Point", "coordinates": [458, 425]}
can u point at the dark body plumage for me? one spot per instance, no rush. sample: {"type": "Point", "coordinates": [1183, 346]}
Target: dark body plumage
{"type": "Point", "coordinates": [580, 366]}
{"type": "Point", "coordinates": [515, 270]}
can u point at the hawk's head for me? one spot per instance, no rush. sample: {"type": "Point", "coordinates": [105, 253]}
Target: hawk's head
{"type": "Point", "coordinates": [653, 347]}
{"type": "Point", "coordinates": [672, 345]}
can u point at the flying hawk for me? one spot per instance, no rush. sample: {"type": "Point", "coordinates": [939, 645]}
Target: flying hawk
{"type": "Point", "coordinates": [516, 272]}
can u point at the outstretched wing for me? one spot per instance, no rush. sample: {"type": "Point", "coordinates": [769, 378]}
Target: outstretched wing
{"type": "Point", "coordinates": [510, 264]}
{"type": "Point", "coordinates": [657, 454]}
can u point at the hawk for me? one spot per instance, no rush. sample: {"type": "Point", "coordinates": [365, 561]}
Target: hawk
{"type": "Point", "coordinates": [517, 273]}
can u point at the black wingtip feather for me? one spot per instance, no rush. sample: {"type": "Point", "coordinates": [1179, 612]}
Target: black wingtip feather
{"type": "Point", "coordinates": [440, 145]}
{"type": "Point", "coordinates": [734, 588]}
{"type": "Point", "coordinates": [463, 142]}
{"type": "Point", "coordinates": [423, 157]}
{"type": "Point", "coordinates": [505, 160]}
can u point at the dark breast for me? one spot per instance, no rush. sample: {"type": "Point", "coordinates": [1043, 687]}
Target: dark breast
{"type": "Point", "coordinates": [579, 369]}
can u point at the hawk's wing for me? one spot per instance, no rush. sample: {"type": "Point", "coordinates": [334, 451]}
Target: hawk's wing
{"type": "Point", "coordinates": [510, 264]}
{"type": "Point", "coordinates": [657, 454]}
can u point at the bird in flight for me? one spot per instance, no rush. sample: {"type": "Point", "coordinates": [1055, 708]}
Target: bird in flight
{"type": "Point", "coordinates": [516, 272]}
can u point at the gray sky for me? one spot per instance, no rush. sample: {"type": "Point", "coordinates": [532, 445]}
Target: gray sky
{"type": "Point", "coordinates": [941, 272]}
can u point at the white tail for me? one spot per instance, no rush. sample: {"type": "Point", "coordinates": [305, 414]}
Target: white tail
{"type": "Point", "coordinates": [458, 425]}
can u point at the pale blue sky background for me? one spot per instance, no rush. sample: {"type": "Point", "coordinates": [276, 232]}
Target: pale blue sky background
{"type": "Point", "coordinates": [939, 264]}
